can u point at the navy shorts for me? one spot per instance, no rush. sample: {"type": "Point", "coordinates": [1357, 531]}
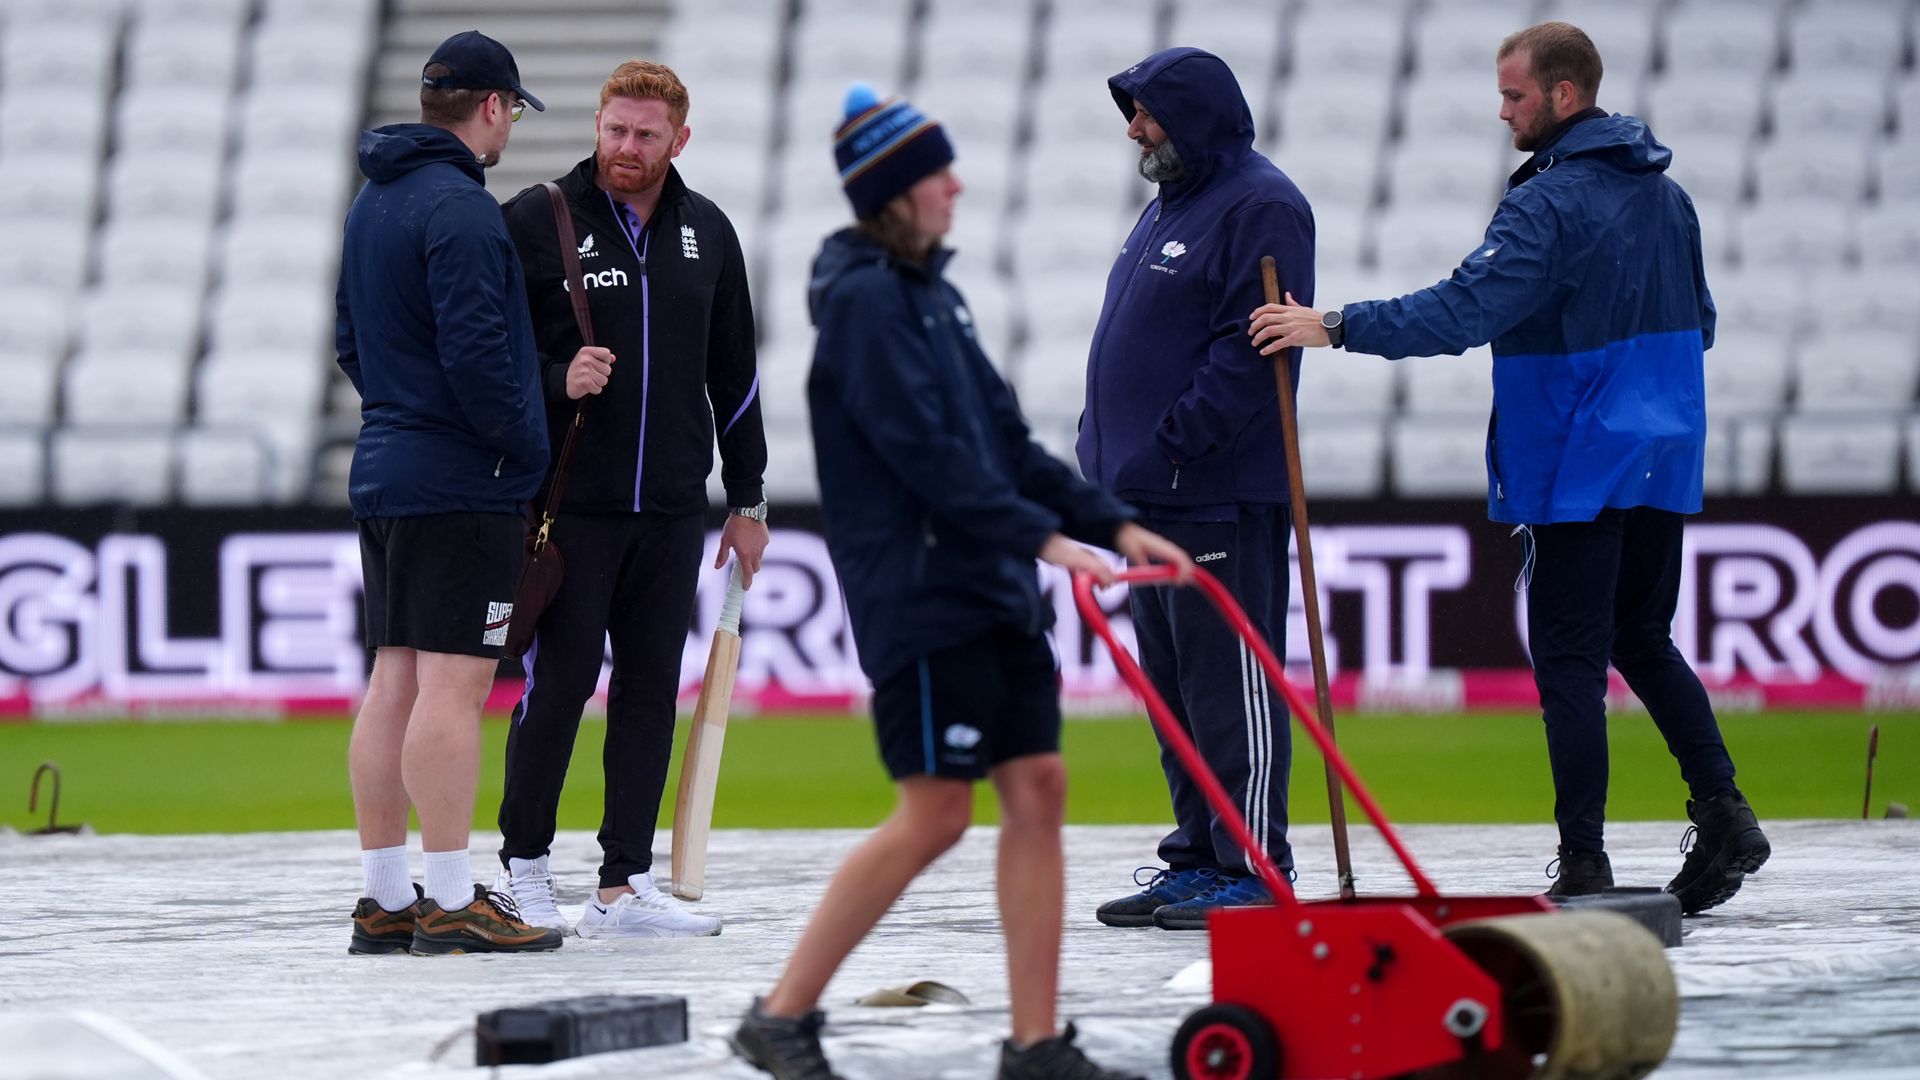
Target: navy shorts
{"type": "Point", "coordinates": [441, 583]}
{"type": "Point", "coordinates": [960, 711]}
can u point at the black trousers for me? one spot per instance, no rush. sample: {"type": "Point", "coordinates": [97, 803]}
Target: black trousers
{"type": "Point", "coordinates": [1605, 590]}
{"type": "Point", "coordinates": [630, 578]}
{"type": "Point", "coordinates": [1217, 690]}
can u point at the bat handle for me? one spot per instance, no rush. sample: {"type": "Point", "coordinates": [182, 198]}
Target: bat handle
{"type": "Point", "coordinates": [736, 596]}
{"type": "Point", "coordinates": [1270, 279]}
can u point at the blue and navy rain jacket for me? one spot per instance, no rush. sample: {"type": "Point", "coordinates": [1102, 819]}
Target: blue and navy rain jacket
{"type": "Point", "coordinates": [434, 332]}
{"type": "Point", "coordinates": [1181, 411]}
{"type": "Point", "coordinates": [1590, 285]}
{"type": "Point", "coordinates": [935, 496]}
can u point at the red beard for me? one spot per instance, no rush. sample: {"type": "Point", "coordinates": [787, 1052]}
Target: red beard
{"type": "Point", "coordinates": [628, 182]}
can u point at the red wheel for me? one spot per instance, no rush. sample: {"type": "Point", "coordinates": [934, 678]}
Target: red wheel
{"type": "Point", "coordinates": [1225, 1042]}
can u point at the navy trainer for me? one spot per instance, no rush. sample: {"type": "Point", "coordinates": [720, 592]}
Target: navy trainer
{"type": "Point", "coordinates": [1163, 888]}
{"type": "Point", "coordinates": [1231, 890]}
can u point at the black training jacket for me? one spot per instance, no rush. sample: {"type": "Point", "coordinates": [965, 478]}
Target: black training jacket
{"type": "Point", "coordinates": [680, 326]}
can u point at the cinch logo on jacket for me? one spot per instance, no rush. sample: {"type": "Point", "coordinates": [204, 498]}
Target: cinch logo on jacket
{"type": "Point", "coordinates": [601, 280]}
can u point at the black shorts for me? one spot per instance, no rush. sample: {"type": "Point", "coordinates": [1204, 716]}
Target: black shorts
{"type": "Point", "coordinates": [961, 711]}
{"type": "Point", "coordinates": [442, 583]}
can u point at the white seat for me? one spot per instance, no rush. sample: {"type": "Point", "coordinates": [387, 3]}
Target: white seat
{"type": "Point", "coordinates": [1440, 457]}
{"type": "Point", "coordinates": [1853, 454]}
{"type": "Point", "coordinates": [988, 49]}
{"type": "Point", "coordinates": [275, 12]}
{"type": "Point", "coordinates": [991, 308]}
{"type": "Point", "coordinates": [23, 466]}
{"type": "Point", "coordinates": [1687, 104]}
{"type": "Point", "coordinates": [1889, 237]}
{"type": "Point", "coordinates": [293, 120]}
{"type": "Point", "coordinates": [225, 467]}
{"type": "Point", "coordinates": [1896, 172]}
{"type": "Point", "coordinates": [1458, 40]}
{"type": "Point", "coordinates": [45, 255]}
{"type": "Point", "coordinates": [1341, 384]}
{"type": "Point", "coordinates": [790, 475]}
{"type": "Point", "coordinates": [65, 54]}
{"type": "Point", "coordinates": [1906, 108]}
{"type": "Point", "coordinates": [1090, 178]}
{"type": "Point", "coordinates": [807, 185]}
{"type": "Point", "coordinates": [277, 185]}
{"type": "Point", "coordinates": [1060, 314]}
{"type": "Point", "coordinates": [1858, 370]}
{"type": "Point", "coordinates": [1067, 245]}
{"type": "Point", "coordinates": [1913, 454]}
{"type": "Point", "coordinates": [302, 252]}
{"type": "Point", "coordinates": [1879, 297]}
{"type": "Point", "coordinates": [165, 54]}
{"type": "Point", "coordinates": [1767, 298]}
{"type": "Point", "coordinates": [1712, 169]}
{"type": "Point", "coordinates": [1417, 240]}
{"type": "Point", "coordinates": [1338, 110]}
{"type": "Point", "coordinates": [259, 385]}
{"type": "Point", "coordinates": [48, 187]}
{"type": "Point", "coordinates": [172, 120]}
{"type": "Point", "coordinates": [980, 118]}
{"type": "Point", "coordinates": [271, 316]}
{"type": "Point", "coordinates": [1746, 373]}
{"type": "Point", "coordinates": [328, 58]}
{"type": "Point", "coordinates": [1077, 112]}
{"type": "Point", "coordinates": [1799, 234]}
{"type": "Point", "coordinates": [31, 381]}
{"type": "Point", "coordinates": [111, 466]}
{"type": "Point", "coordinates": [1725, 38]}
{"type": "Point", "coordinates": [136, 252]}
{"type": "Point", "coordinates": [141, 317]}
{"type": "Point", "coordinates": [38, 322]}
{"type": "Point", "coordinates": [1330, 175]}
{"type": "Point", "coordinates": [1808, 167]}
{"type": "Point", "coordinates": [1739, 455]}
{"type": "Point", "coordinates": [1452, 172]}
{"type": "Point", "coordinates": [1830, 104]}
{"type": "Point", "coordinates": [717, 42]}
{"type": "Point", "coordinates": [1863, 36]}
{"type": "Point", "coordinates": [1091, 43]}
{"type": "Point", "coordinates": [1245, 34]}
{"type": "Point", "coordinates": [1623, 32]}
{"type": "Point", "coordinates": [208, 11]}
{"type": "Point", "coordinates": [129, 385]}
{"type": "Point", "coordinates": [1450, 385]}
{"type": "Point", "coordinates": [103, 13]}
{"type": "Point", "coordinates": [1052, 378]}
{"type": "Point", "coordinates": [49, 120]}
{"type": "Point", "coordinates": [1329, 42]}
{"type": "Point", "coordinates": [870, 46]}
{"type": "Point", "coordinates": [1342, 458]}
{"type": "Point", "coordinates": [177, 186]}
{"type": "Point", "coordinates": [1449, 106]}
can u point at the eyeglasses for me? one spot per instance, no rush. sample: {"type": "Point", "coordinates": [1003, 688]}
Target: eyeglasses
{"type": "Point", "coordinates": [514, 107]}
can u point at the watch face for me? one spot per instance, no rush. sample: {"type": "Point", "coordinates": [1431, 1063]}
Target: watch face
{"type": "Point", "coordinates": [1330, 320]}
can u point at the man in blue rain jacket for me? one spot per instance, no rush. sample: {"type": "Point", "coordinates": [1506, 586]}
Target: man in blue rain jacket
{"type": "Point", "coordinates": [1182, 420]}
{"type": "Point", "coordinates": [1589, 284]}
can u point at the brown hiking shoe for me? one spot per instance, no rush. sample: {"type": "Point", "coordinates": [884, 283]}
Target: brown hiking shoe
{"type": "Point", "coordinates": [490, 924]}
{"type": "Point", "coordinates": [379, 932]}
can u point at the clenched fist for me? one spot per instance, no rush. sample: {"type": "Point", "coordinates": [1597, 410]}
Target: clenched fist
{"type": "Point", "coordinates": [592, 366]}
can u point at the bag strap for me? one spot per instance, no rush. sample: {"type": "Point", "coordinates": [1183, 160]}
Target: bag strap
{"type": "Point", "coordinates": [577, 294]}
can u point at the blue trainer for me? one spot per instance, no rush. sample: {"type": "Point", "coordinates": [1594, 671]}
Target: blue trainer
{"type": "Point", "coordinates": [1230, 890]}
{"type": "Point", "coordinates": [1163, 888]}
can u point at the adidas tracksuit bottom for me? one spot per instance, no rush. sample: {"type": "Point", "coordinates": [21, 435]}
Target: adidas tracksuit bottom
{"type": "Point", "coordinates": [1217, 690]}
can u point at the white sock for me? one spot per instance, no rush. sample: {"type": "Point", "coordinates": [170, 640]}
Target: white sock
{"type": "Point", "coordinates": [387, 879]}
{"type": "Point", "coordinates": [449, 879]}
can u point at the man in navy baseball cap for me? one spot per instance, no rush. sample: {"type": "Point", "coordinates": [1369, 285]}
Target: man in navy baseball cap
{"type": "Point", "coordinates": [474, 61]}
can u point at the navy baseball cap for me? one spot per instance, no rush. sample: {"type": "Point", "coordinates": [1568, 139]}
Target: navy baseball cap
{"type": "Point", "coordinates": [477, 62]}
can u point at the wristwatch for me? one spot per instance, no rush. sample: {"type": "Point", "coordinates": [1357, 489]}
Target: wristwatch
{"type": "Point", "coordinates": [756, 513]}
{"type": "Point", "coordinates": [1331, 322]}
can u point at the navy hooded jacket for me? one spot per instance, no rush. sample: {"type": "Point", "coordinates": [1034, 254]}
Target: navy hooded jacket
{"type": "Point", "coordinates": [435, 334]}
{"type": "Point", "coordinates": [1591, 286]}
{"type": "Point", "coordinates": [935, 496]}
{"type": "Point", "coordinates": [1181, 411]}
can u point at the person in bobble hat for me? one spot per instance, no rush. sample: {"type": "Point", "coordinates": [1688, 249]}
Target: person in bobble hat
{"type": "Point", "coordinates": [937, 501]}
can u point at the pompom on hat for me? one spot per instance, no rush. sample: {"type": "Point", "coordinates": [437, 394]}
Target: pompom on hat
{"type": "Point", "coordinates": [884, 147]}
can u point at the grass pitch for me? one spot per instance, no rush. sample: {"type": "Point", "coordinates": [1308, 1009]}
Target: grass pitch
{"type": "Point", "coordinates": [815, 772]}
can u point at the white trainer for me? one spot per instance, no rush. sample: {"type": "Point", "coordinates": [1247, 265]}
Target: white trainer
{"type": "Point", "coordinates": [531, 887]}
{"type": "Point", "coordinates": [646, 912]}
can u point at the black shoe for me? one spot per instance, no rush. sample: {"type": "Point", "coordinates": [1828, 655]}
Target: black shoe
{"type": "Point", "coordinates": [1727, 846]}
{"type": "Point", "coordinates": [1579, 873]}
{"type": "Point", "coordinates": [1165, 887]}
{"type": "Point", "coordinates": [1053, 1059]}
{"type": "Point", "coordinates": [787, 1048]}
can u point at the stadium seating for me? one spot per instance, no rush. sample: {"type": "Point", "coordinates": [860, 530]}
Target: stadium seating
{"type": "Point", "coordinates": [177, 170]}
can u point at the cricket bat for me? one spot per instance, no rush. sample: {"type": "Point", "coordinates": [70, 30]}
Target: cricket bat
{"type": "Point", "coordinates": [700, 764]}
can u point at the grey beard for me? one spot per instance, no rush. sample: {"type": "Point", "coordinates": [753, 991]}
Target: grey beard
{"type": "Point", "coordinates": [1162, 164]}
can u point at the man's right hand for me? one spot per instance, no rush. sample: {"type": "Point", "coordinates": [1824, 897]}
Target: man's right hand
{"type": "Point", "coordinates": [592, 366]}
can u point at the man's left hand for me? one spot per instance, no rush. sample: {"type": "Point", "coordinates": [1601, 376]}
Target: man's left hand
{"type": "Point", "coordinates": [747, 539]}
{"type": "Point", "coordinates": [1286, 325]}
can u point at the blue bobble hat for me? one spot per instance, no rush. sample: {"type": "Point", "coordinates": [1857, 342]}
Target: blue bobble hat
{"type": "Point", "coordinates": [884, 147]}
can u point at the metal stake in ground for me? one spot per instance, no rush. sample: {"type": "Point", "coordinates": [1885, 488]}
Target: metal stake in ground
{"type": "Point", "coordinates": [1310, 593]}
{"type": "Point", "coordinates": [1873, 748]}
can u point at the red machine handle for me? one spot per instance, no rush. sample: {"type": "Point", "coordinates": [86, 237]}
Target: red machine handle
{"type": "Point", "coordinates": [1183, 748]}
